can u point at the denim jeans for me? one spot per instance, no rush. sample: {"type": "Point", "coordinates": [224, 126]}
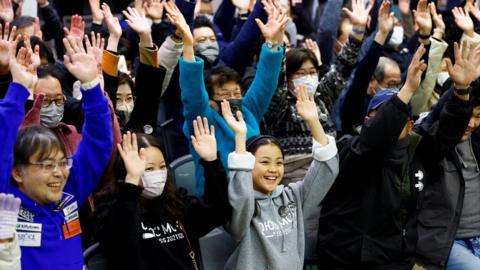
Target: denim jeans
{"type": "Point", "coordinates": [465, 255]}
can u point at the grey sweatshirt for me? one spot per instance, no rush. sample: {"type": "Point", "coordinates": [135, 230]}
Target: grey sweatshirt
{"type": "Point", "coordinates": [265, 238]}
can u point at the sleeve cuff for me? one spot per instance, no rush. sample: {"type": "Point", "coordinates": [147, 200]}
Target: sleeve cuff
{"type": "Point", "coordinates": [129, 191]}
{"type": "Point", "coordinates": [324, 152]}
{"type": "Point", "coordinates": [241, 161]}
{"type": "Point", "coordinates": [148, 56]}
{"type": "Point", "coordinates": [110, 63]}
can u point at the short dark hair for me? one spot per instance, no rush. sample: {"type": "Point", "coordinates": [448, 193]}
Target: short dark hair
{"type": "Point", "coordinates": [23, 21]}
{"type": "Point", "coordinates": [38, 141]}
{"type": "Point", "coordinates": [51, 70]}
{"type": "Point", "coordinates": [256, 141]}
{"type": "Point", "coordinates": [45, 52]}
{"type": "Point", "coordinates": [203, 21]}
{"type": "Point", "coordinates": [218, 76]}
{"type": "Point", "coordinates": [295, 58]}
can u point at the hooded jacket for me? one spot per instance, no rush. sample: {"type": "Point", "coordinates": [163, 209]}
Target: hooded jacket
{"type": "Point", "coordinates": [269, 229]}
{"type": "Point", "coordinates": [49, 235]}
{"type": "Point", "coordinates": [368, 218]}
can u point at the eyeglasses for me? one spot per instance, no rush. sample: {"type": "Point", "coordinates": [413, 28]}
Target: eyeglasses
{"type": "Point", "coordinates": [305, 72]}
{"type": "Point", "coordinates": [222, 94]}
{"type": "Point", "coordinates": [59, 101]}
{"type": "Point", "coordinates": [50, 166]}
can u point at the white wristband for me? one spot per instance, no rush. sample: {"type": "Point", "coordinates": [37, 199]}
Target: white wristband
{"type": "Point", "coordinates": [91, 84]}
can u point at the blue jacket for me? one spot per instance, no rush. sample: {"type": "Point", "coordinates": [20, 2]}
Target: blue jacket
{"type": "Point", "coordinates": [255, 104]}
{"type": "Point", "coordinates": [93, 153]}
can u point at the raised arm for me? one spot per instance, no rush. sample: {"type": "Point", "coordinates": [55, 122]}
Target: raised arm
{"type": "Point", "coordinates": [12, 110]}
{"type": "Point", "coordinates": [213, 209]}
{"type": "Point", "coordinates": [149, 74]}
{"type": "Point", "coordinates": [95, 148]}
{"type": "Point", "coordinates": [324, 169]}
{"type": "Point", "coordinates": [421, 101]}
{"type": "Point", "coordinates": [380, 134]}
{"type": "Point", "coordinates": [194, 94]}
{"type": "Point", "coordinates": [352, 109]}
{"type": "Point", "coordinates": [240, 188]}
{"type": "Point", "coordinates": [259, 95]}
{"type": "Point", "coordinates": [334, 81]}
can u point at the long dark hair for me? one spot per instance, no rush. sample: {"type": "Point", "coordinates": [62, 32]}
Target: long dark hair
{"type": "Point", "coordinates": [168, 205]}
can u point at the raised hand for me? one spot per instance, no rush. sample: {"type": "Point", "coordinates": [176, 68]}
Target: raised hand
{"type": "Point", "coordinates": [133, 159]}
{"type": "Point", "coordinates": [359, 13]}
{"type": "Point", "coordinates": [139, 23]}
{"type": "Point", "coordinates": [178, 20]}
{"type": "Point", "coordinates": [80, 64]}
{"type": "Point", "coordinates": [277, 21]}
{"type": "Point", "coordinates": [23, 70]}
{"type": "Point", "coordinates": [34, 54]}
{"type": "Point", "coordinates": [470, 7]}
{"type": "Point", "coordinates": [97, 14]}
{"type": "Point", "coordinates": [204, 140]}
{"type": "Point", "coordinates": [9, 206]}
{"type": "Point", "coordinates": [423, 18]}
{"type": "Point", "coordinates": [306, 106]}
{"type": "Point", "coordinates": [95, 48]}
{"type": "Point", "coordinates": [154, 9]}
{"type": "Point", "coordinates": [414, 75]}
{"type": "Point", "coordinates": [437, 20]}
{"type": "Point", "coordinates": [313, 46]}
{"type": "Point", "coordinates": [463, 20]}
{"type": "Point", "coordinates": [77, 28]}
{"type": "Point", "coordinates": [464, 72]}
{"type": "Point", "coordinates": [7, 46]}
{"type": "Point", "coordinates": [6, 10]}
{"type": "Point", "coordinates": [386, 21]}
{"type": "Point", "coordinates": [113, 25]}
{"type": "Point", "coordinates": [238, 126]}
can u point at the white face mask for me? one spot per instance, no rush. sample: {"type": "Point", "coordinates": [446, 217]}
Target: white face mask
{"type": "Point", "coordinates": [153, 183]}
{"type": "Point", "coordinates": [397, 37]}
{"type": "Point", "coordinates": [442, 77]}
{"type": "Point", "coordinates": [124, 110]}
{"type": "Point", "coordinates": [310, 82]}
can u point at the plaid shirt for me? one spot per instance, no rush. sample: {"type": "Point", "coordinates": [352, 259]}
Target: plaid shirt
{"type": "Point", "coordinates": [282, 119]}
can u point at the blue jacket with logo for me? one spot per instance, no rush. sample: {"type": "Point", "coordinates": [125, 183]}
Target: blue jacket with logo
{"type": "Point", "coordinates": [49, 235]}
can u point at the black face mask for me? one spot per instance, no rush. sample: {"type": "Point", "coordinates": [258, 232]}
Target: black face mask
{"type": "Point", "coordinates": [235, 105]}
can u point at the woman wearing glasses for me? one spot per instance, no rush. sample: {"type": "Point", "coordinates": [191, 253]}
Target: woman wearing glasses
{"type": "Point", "coordinates": [52, 186]}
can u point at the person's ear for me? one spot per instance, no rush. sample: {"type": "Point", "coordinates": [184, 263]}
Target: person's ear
{"type": "Point", "coordinates": [17, 174]}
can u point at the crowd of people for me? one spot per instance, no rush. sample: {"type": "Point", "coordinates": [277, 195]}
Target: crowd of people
{"type": "Point", "coordinates": [336, 134]}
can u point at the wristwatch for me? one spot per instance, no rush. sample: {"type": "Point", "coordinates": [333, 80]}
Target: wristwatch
{"type": "Point", "coordinates": [271, 45]}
